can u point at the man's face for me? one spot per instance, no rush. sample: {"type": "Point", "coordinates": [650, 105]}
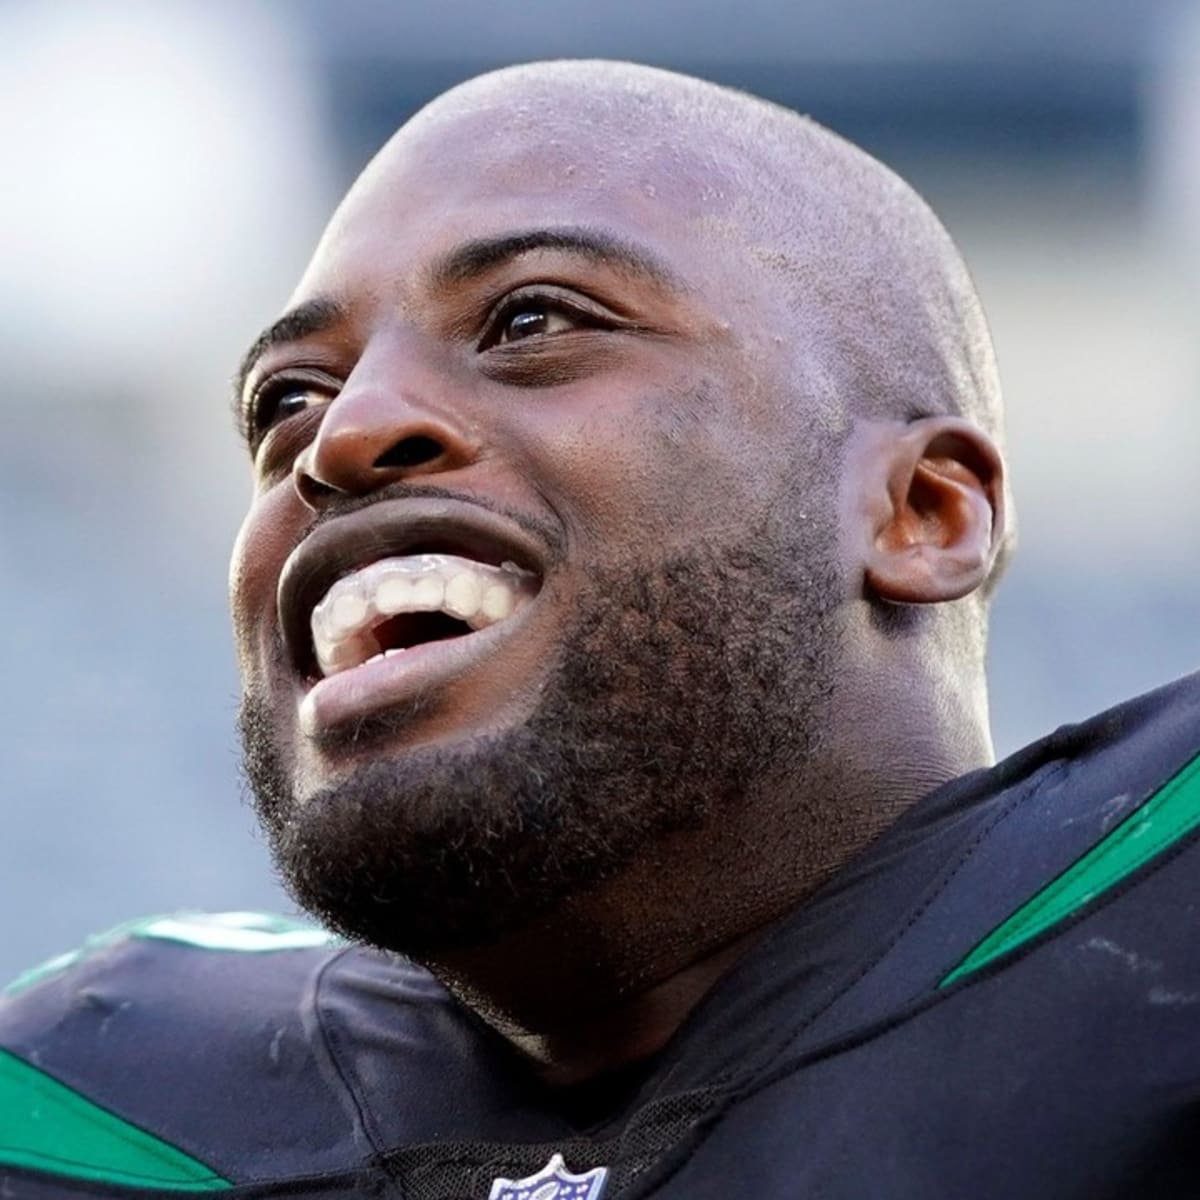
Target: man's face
{"type": "Point", "coordinates": [535, 344]}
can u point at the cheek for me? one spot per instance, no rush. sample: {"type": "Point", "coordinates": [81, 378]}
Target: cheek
{"type": "Point", "coordinates": [262, 546]}
{"type": "Point", "coordinates": [642, 466]}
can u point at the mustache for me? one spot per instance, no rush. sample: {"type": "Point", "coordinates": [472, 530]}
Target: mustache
{"type": "Point", "coordinates": [551, 536]}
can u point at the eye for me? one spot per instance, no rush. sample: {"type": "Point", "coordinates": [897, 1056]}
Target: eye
{"type": "Point", "coordinates": [278, 399]}
{"type": "Point", "coordinates": [522, 317]}
{"type": "Point", "coordinates": [530, 318]}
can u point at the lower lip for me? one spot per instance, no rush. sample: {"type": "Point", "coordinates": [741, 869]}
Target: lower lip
{"type": "Point", "coordinates": [382, 683]}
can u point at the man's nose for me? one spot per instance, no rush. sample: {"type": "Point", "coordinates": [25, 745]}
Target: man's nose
{"type": "Point", "coordinates": [384, 426]}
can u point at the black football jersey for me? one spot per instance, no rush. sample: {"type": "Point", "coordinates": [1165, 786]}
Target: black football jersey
{"type": "Point", "coordinates": [999, 998]}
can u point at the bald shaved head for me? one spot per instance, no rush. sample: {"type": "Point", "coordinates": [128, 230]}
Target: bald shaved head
{"type": "Point", "coordinates": [861, 258]}
{"type": "Point", "coordinates": [877, 314]}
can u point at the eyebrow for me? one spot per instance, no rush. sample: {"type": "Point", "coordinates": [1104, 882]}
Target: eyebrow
{"type": "Point", "coordinates": [480, 255]}
{"type": "Point", "coordinates": [313, 316]}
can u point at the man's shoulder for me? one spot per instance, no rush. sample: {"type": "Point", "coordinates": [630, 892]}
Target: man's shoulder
{"type": "Point", "coordinates": [171, 1051]}
{"type": "Point", "coordinates": [1084, 818]}
{"type": "Point", "coordinates": [1097, 823]}
{"type": "Point", "coordinates": [182, 966]}
{"type": "Point", "coordinates": [1158, 729]}
{"type": "Point", "coordinates": [1141, 741]}
{"type": "Point", "coordinates": [1034, 975]}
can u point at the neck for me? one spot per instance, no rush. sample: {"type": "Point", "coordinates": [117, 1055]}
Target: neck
{"type": "Point", "coordinates": [606, 978]}
{"type": "Point", "coordinates": [600, 1039]}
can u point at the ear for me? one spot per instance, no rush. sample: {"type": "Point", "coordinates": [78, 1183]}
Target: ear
{"type": "Point", "coordinates": [932, 496]}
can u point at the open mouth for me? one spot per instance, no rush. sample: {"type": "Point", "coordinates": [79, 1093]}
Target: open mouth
{"type": "Point", "coordinates": [400, 575]}
{"type": "Point", "coordinates": [397, 603]}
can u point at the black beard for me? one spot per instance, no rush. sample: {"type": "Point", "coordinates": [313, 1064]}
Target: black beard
{"type": "Point", "coordinates": [680, 688]}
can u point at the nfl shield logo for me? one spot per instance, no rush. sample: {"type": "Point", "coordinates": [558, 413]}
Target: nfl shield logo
{"type": "Point", "coordinates": [552, 1182]}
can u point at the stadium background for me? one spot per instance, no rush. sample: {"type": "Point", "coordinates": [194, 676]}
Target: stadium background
{"type": "Point", "coordinates": [167, 167]}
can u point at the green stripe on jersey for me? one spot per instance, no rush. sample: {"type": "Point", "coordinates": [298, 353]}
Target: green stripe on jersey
{"type": "Point", "coordinates": [1171, 813]}
{"type": "Point", "coordinates": [45, 1126]}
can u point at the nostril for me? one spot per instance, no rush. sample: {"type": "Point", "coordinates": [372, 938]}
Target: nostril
{"type": "Point", "coordinates": [411, 452]}
{"type": "Point", "coordinates": [312, 491]}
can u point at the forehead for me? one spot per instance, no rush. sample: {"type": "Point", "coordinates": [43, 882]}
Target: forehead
{"type": "Point", "coordinates": [466, 171]}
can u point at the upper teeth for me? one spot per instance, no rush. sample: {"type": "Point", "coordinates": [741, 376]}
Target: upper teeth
{"type": "Point", "coordinates": [343, 622]}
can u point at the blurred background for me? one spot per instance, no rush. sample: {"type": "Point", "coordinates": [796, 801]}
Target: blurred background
{"type": "Point", "coordinates": [167, 168]}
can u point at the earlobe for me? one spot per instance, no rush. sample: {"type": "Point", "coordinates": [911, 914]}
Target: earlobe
{"type": "Point", "coordinates": [935, 511]}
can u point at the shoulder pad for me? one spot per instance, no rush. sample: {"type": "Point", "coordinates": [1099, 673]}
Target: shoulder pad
{"type": "Point", "coordinates": [236, 932]}
{"type": "Point", "coordinates": [178, 1052]}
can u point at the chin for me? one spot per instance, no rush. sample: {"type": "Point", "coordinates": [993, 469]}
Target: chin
{"type": "Point", "coordinates": [447, 846]}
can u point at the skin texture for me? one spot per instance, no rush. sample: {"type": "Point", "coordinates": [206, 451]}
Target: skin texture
{"type": "Point", "coordinates": [752, 427]}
